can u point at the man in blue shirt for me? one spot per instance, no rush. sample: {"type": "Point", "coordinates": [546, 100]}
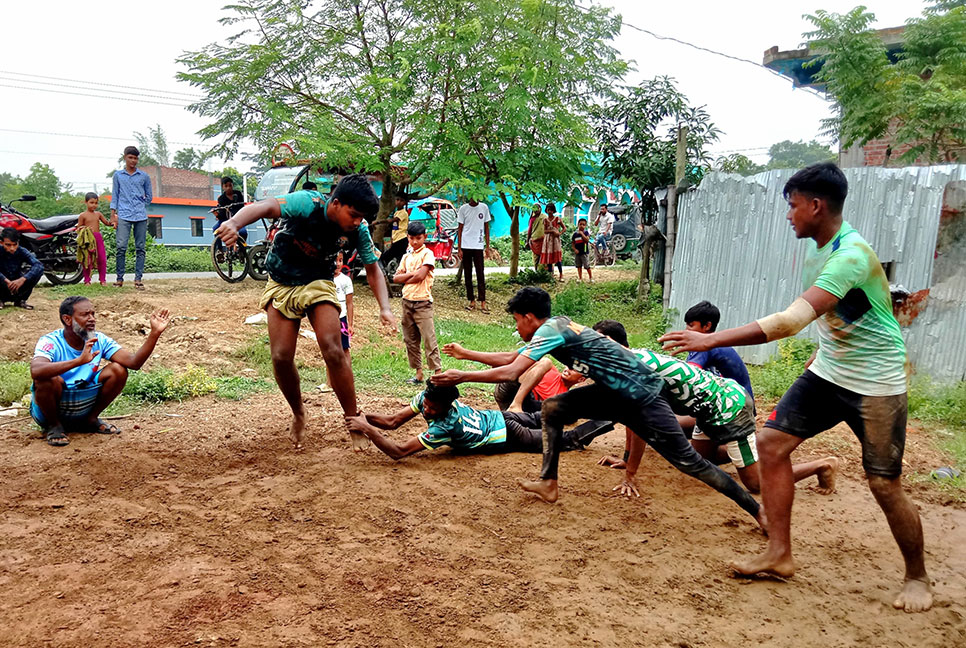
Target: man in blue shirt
{"type": "Point", "coordinates": [625, 390]}
{"type": "Point", "coordinates": [130, 196]}
{"type": "Point", "coordinates": [466, 429]}
{"type": "Point", "coordinates": [70, 387]}
{"type": "Point", "coordinates": [15, 284]}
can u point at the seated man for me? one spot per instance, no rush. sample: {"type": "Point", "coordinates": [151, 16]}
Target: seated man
{"type": "Point", "coordinates": [451, 423]}
{"type": "Point", "coordinates": [724, 412]}
{"type": "Point", "coordinates": [69, 385]}
{"type": "Point", "coordinates": [16, 284]}
{"type": "Point", "coordinates": [537, 384]}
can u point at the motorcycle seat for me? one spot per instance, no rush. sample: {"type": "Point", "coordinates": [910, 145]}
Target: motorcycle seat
{"type": "Point", "coordinates": [53, 224]}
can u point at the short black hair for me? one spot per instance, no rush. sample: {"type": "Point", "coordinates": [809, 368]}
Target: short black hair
{"type": "Point", "coordinates": [702, 313]}
{"type": "Point", "coordinates": [402, 197]}
{"type": "Point", "coordinates": [67, 306]}
{"type": "Point", "coordinates": [612, 329]}
{"type": "Point", "coordinates": [225, 180]}
{"type": "Point", "coordinates": [89, 195]}
{"type": "Point", "coordinates": [415, 228]}
{"type": "Point", "coordinates": [551, 208]}
{"type": "Point", "coordinates": [582, 219]}
{"type": "Point", "coordinates": [355, 191]}
{"type": "Point", "coordinates": [308, 185]}
{"type": "Point", "coordinates": [132, 150]}
{"type": "Point", "coordinates": [530, 300]}
{"type": "Point", "coordinates": [9, 234]}
{"type": "Point", "coordinates": [442, 396]}
{"type": "Point", "coordinates": [823, 180]}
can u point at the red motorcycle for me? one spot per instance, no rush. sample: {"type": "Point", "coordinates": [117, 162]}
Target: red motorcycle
{"type": "Point", "coordinates": [52, 240]}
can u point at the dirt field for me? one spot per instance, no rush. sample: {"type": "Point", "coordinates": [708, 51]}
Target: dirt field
{"type": "Point", "coordinates": [200, 526]}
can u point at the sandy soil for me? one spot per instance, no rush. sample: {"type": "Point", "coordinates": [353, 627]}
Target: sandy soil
{"type": "Point", "coordinates": [200, 526]}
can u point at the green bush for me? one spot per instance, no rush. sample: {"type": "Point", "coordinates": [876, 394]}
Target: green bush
{"type": "Point", "coordinates": [530, 277]}
{"type": "Point", "coordinates": [940, 402]}
{"type": "Point", "coordinates": [158, 258]}
{"type": "Point", "coordinates": [14, 381]}
{"type": "Point", "coordinates": [772, 379]}
{"type": "Point", "coordinates": [163, 385]}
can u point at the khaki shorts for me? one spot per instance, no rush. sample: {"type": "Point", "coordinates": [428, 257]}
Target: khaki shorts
{"type": "Point", "coordinates": [293, 301]}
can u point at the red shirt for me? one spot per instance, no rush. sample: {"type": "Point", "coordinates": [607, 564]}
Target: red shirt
{"type": "Point", "coordinates": [551, 385]}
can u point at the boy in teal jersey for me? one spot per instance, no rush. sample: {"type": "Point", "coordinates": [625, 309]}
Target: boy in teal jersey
{"type": "Point", "coordinates": [624, 391]}
{"type": "Point", "coordinates": [301, 268]}
{"type": "Point", "coordinates": [857, 376]}
{"type": "Point", "coordinates": [464, 428]}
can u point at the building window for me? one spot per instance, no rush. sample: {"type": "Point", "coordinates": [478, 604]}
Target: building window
{"type": "Point", "coordinates": [197, 227]}
{"type": "Point", "coordinates": [154, 227]}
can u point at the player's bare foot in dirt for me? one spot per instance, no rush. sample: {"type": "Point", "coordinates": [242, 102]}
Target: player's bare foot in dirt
{"type": "Point", "coordinates": [360, 441]}
{"type": "Point", "coordinates": [545, 489]}
{"type": "Point", "coordinates": [764, 564]}
{"type": "Point", "coordinates": [296, 432]}
{"type": "Point", "coordinates": [826, 476]}
{"type": "Point", "coordinates": [762, 520]}
{"type": "Point", "coordinates": [916, 596]}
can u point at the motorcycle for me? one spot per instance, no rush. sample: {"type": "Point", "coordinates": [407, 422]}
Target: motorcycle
{"type": "Point", "coordinates": [52, 240]}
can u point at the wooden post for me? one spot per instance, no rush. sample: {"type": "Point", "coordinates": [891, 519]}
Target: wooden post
{"type": "Point", "coordinates": [680, 168]}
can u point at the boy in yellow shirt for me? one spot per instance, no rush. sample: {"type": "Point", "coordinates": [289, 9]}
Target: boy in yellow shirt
{"type": "Point", "coordinates": [416, 275]}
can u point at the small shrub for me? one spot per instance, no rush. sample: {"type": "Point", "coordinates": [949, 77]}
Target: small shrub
{"type": "Point", "coordinates": [193, 381]}
{"type": "Point", "coordinates": [575, 301]}
{"type": "Point", "coordinates": [163, 385]}
{"type": "Point", "coordinates": [237, 387]}
{"type": "Point", "coordinates": [530, 277]}
{"type": "Point", "coordinates": [14, 381]}
{"type": "Point", "coordinates": [772, 379]}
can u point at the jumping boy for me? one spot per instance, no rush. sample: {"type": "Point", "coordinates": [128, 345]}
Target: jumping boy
{"type": "Point", "coordinates": [624, 390]}
{"type": "Point", "coordinates": [92, 219]}
{"type": "Point", "coordinates": [857, 376]}
{"type": "Point", "coordinates": [465, 429]}
{"type": "Point", "coordinates": [724, 412]}
{"type": "Point", "coordinates": [579, 242]}
{"type": "Point", "coordinates": [416, 274]}
{"type": "Point", "coordinates": [15, 283]}
{"type": "Point", "coordinates": [301, 267]}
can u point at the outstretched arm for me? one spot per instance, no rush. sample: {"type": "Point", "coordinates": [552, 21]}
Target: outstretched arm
{"type": "Point", "coordinates": [228, 231]}
{"type": "Point", "coordinates": [136, 360]}
{"type": "Point", "coordinates": [391, 448]}
{"type": "Point", "coordinates": [505, 373]}
{"type": "Point", "coordinates": [530, 379]}
{"type": "Point", "coordinates": [492, 358]}
{"type": "Point", "coordinates": [392, 421]}
{"type": "Point", "coordinates": [377, 282]}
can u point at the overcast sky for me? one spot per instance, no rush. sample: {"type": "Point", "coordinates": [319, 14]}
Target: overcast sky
{"type": "Point", "coordinates": [134, 46]}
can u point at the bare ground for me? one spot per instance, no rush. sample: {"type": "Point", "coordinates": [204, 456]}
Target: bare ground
{"type": "Point", "coordinates": [200, 526]}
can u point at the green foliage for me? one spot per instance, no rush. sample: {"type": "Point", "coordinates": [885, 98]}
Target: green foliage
{"type": "Point", "coordinates": [53, 196]}
{"type": "Point", "coordinates": [530, 277]}
{"type": "Point", "coordinates": [163, 385]}
{"type": "Point", "coordinates": [772, 379]}
{"type": "Point", "coordinates": [153, 147]}
{"type": "Point", "coordinates": [737, 163]}
{"type": "Point", "coordinates": [238, 387]}
{"type": "Point", "coordinates": [795, 155]}
{"type": "Point", "coordinates": [14, 381]}
{"type": "Point", "coordinates": [587, 304]}
{"type": "Point", "coordinates": [920, 101]}
{"type": "Point", "coordinates": [188, 158]}
{"type": "Point", "coordinates": [938, 402]}
{"type": "Point", "coordinates": [158, 258]}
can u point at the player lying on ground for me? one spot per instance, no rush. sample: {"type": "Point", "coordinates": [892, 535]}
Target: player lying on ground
{"type": "Point", "coordinates": [723, 412]}
{"type": "Point", "coordinates": [857, 376]}
{"type": "Point", "coordinates": [451, 423]}
{"type": "Point", "coordinates": [624, 390]}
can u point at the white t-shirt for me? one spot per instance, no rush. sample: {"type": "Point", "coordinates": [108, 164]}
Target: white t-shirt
{"type": "Point", "coordinates": [343, 287]}
{"type": "Point", "coordinates": [472, 220]}
{"type": "Point", "coordinates": [606, 224]}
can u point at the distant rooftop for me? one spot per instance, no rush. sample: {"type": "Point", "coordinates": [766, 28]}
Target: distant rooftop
{"type": "Point", "coordinates": [790, 63]}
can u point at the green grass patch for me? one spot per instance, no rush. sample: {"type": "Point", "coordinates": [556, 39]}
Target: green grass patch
{"type": "Point", "coordinates": [772, 379]}
{"type": "Point", "coordinates": [238, 387]}
{"type": "Point", "coordinates": [942, 407]}
{"type": "Point", "coordinates": [14, 381]}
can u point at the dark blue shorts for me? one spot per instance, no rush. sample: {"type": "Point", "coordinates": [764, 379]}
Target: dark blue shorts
{"type": "Point", "coordinates": [345, 333]}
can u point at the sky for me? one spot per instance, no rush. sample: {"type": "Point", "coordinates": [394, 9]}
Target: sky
{"type": "Point", "coordinates": [134, 49]}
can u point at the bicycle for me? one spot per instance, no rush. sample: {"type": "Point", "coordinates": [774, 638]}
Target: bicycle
{"type": "Point", "coordinates": [603, 257]}
{"type": "Point", "coordinates": [258, 253]}
{"type": "Point", "coordinates": [231, 263]}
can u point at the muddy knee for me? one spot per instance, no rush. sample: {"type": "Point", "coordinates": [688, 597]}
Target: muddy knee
{"type": "Point", "coordinates": [885, 489]}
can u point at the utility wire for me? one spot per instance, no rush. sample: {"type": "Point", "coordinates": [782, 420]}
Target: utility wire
{"type": "Point", "coordinates": [108, 85]}
{"type": "Point", "coordinates": [101, 137]}
{"type": "Point", "coordinates": [83, 94]}
{"type": "Point", "coordinates": [112, 94]}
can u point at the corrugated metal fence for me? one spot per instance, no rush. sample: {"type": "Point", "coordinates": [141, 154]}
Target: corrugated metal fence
{"type": "Point", "coordinates": [736, 248]}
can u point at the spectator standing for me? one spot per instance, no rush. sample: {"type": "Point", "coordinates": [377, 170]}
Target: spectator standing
{"type": "Point", "coordinates": [535, 234]}
{"type": "Point", "coordinates": [474, 241]}
{"type": "Point", "coordinates": [229, 204]}
{"type": "Point", "coordinates": [130, 196]}
{"type": "Point", "coordinates": [552, 253]}
{"type": "Point", "coordinates": [416, 274]}
{"type": "Point", "coordinates": [605, 223]}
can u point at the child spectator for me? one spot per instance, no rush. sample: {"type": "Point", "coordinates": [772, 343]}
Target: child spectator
{"type": "Point", "coordinates": [703, 317]}
{"type": "Point", "coordinates": [416, 275]}
{"type": "Point", "coordinates": [552, 252]}
{"type": "Point", "coordinates": [90, 241]}
{"type": "Point", "coordinates": [15, 284]}
{"type": "Point", "coordinates": [343, 288]}
{"type": "Point", "coordinates": [579, 242]}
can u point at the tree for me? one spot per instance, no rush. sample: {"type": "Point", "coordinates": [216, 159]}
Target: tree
{"type": "Point", "coordinates": [920, 101]}
{"type": "Point", "coordinates": [53, 196]}
{"type": "Point", "coordinates": [188, 158]}
{"type": "Point", "coordinates": [737, 163]}
{"type": "Point", "coordinates": [795, 155]}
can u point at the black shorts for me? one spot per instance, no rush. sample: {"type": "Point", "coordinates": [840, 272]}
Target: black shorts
{"type": "Point", "coordinates": [813, 404]}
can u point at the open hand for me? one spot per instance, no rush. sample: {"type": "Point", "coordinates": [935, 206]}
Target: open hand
{"type": "Point", "coordinates": [454, 350]}
{"type": "Point", "coordinates": [228, 233]}
{"type": "Point", "coordinates": [447, 378]}
{"type": "Point", "coordinates": [88, 353]}
{"type": "Point", "coordinates": [388, 320]}
{"type": "Point", "coordinates": [612, 462]}
{"type": "Point", "coordinates": [159, 321]}
{"type": "Point", "coordinates": [627, 487]}
{"type": "Point", "coordinates": [677, 342]}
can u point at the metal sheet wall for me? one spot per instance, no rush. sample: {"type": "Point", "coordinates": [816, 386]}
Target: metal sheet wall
{"type": "Point", "coordinates": [736, 249]}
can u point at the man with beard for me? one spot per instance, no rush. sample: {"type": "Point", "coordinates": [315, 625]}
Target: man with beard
{"type": "Point", "coordinates": [69, 384]}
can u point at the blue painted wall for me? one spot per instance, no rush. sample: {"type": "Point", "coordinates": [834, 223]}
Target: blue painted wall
{"type": "Point", "coordinates": [176, 225]}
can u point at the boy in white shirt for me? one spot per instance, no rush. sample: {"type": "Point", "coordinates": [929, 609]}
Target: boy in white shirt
{"type": "Point", "coordinates": [473, 238]}
{"type": "Point", "coordinates": [343, 289]}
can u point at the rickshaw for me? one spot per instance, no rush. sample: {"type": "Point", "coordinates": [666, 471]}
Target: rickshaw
{"type": "Point", "coordinates": [439, 217]}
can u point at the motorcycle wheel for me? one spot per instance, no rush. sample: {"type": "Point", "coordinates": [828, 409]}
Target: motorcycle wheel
{"type": "Point", "coordinates": [230, 264]}
{"type": "Point", "coordinates": [451, 261]}
{"type": "Point", "coordinates": [67, 269]}
{"type": "Point", "coordinates": [256, 262]}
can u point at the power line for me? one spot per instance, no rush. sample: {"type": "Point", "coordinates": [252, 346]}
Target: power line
{"type": "Point", "coordinates": [107, 85]}
{"type": "Point", "coordinates": [105, 93]}
{"type": "Point", "coordinates": [82, 94]}
{"type": "Point", "coordinates": [101, 137]}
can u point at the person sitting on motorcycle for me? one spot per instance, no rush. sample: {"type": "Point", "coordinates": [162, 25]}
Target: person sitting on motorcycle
{"type": "Point", "coordinates": [15, 284]}
{"type": "Point", "coordinates": [605, 222]}
{"type": "Point", "coordinates": [229, 202]}
{"type": "Point", "coordinates": [400, 240]}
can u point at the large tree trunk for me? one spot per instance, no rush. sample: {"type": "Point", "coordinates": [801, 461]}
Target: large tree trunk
{"type": "Point", "coordinates": [381, 227]}
{"type": "Point", "coordinates": [514, 212]}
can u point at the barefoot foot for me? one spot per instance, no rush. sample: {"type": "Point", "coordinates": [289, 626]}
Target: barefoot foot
{"type": "Point", "coordinates": [916, 596]}
{"type": "Point", "coordinates": [296, 433]}
{"type": "Point", "coordinates": [545, 489]}
{"type": "Point", "coordinates": [762, 520]}
{"type": "Point", "coordinates": [360, 441]}
{"type": "Point", "coordinates": [782, 567]}
{"type": "Point", "coordinates": [826, 476]}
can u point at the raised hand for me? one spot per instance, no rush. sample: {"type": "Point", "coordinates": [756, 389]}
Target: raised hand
{"type": "Point", "coordinates": [159, 321]}
{"type": "Point", "coordinates": [88, 353]}
{"type": "Point", "coordinates": [677, 342]}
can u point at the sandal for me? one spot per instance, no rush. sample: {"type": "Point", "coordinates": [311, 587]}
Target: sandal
{"type": "Point", "coordinates": [118, 283]}
{"type": "Point", "coordinates": [55, 436]}
{"type": "Point", "coordinates": [469, 308]}
{"type": "Point", "coordinates": [413, 381]}
{"type": "Point", "coordinates": [485, 311]}
{"type": "Point", "coordinates": [138, 285]}
{"type": "Point", "coordinates": [100, 426]}
{"type": "Point", "coordinates": [24, 305]}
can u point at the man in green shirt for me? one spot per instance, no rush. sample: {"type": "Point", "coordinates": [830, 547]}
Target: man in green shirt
{"type": "Point", "coordinates": [857, 376]}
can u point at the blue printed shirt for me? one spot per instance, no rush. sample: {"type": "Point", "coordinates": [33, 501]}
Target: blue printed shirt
{"type": "Point", "coordinates": [131, 194]}
{"type": "Point", "coordinates": [462, 427]}
{"type": "Point", "coordinates": [726, 363]}
{"type": "Point", "coordinates": [596, 356]}
{"type": "Point", "coordinates": [11, 265]}
{"type": "Point", "coordinates": [307, 243]}
{"type": "Point", "coordinates": [54, 347]}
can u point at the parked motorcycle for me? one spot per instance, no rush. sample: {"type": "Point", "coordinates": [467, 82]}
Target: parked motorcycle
{"type": "Point", "coordinates": [52, 240]}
